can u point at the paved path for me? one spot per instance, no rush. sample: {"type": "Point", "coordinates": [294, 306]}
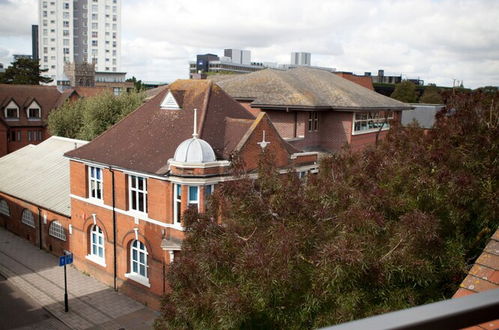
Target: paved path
{"type": "Point", "coordinates": [92, 305]}
{"type": "Point", "coordinates": [20, 312]}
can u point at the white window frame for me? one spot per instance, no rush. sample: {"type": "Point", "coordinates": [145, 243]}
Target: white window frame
{"type": "Point", "coordinates": [177, 203]}
{"type": "Point", "coordinates": [57, 230]}
{"type": "Point", "coordinates": [98, 183]}
{"type": "Point", "coordinates": [141, 249]}
{"type": "Point", "coordinates": [139, 271]}
{"type": "Point", "coordinates": [193, 202]}
{"type": "Point", "coordinates": [4, 207]}
{"type": "Point", "coordinates": [373, 119]}
{"type": "Point", "coordinates": [139, 193]}
{"type": "Point", "coordinates": [99, 243]}
{"type": "Point", "coordinates": [27, 218]}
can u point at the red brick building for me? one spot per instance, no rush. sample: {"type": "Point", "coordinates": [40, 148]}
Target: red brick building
{"type": "Point", "coordinates": [130, 185]}
{"type": "Point", "coordinates": [314, 109]}
{"type": "Point", "coordinates": [24, 110]}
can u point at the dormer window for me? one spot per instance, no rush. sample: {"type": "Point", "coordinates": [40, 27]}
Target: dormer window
{"type": "Point", "coordinates": [34, 113]}
{"type": "Point", "coordinates": [11, 111]}
{"type": "Point", "coordinates": [169, 102]}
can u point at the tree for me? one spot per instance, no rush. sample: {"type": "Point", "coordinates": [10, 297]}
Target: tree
{"type": "Point", "coordinates": [139, 86]}
{"type": "Point", "coordinates": [385, 229]}
{"type": "Point", "coordinates": [431, 95]}
{"type": "Point", "coordinates": [405, 92]}
{"type": "Point", "coordinates": [24, 71]}
{"type": "Point", "coordinates": [89, 117]}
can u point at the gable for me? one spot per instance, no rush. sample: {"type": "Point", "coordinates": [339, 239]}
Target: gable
{"type": "Point", "coordinates": [262, 136]}
{"type": "Point", "coordinates": [11, 105]}
{"type": "Point", "coordinates": [169, 102]}
{"type": "Point", "coordinates": [34, 104]}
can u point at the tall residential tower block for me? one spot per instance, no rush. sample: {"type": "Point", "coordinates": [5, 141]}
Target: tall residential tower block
{"type": "Point", "coordinates": [79, 31]}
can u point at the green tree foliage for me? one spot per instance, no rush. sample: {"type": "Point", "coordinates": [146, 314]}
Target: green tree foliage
{"type": "Point", "coordinates": [89, 117]}
{"type": "Point", "coordinates": [405, 92]}
{"type": "Point", "coordinates": [24, 71]}
{"type": "Point", "coordinates": [431, 95]}
{"type": "Point", "coordinates": [138, 85]}
{"type": "Point", "coordinates": [372, 232]}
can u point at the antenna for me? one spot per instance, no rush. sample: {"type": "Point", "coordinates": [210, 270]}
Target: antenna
{"type": "Point", "coordinates": [194, 133]}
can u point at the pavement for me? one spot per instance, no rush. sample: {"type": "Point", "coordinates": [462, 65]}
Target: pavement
{"type": "Point", "coordinates": [92, 304]}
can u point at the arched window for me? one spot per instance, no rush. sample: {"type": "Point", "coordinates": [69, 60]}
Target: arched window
{"type": "Point", "coordinates": [27, 218]}
{"type": "Point", "coordinates": [97, 243]}
{"type": "Point", "coordinates": [138, 258]}
{"type": "Point", "coordinates": [4, 207]}
{"type": "Point", "coordinates": [57, 230]}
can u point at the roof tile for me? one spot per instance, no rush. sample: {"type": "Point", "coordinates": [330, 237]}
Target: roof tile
{"type": "Point", "coordinates": [305, 87]}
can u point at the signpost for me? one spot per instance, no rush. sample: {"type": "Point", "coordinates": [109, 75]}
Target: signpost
{"type": "Point", "coordinates": [63, 261]}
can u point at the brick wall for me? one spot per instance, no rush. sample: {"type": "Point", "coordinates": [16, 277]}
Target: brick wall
{"type": "Point", "coordinates": [335, 129]}
{"type": "Point", "coordinates": [13, 223]}
{"type": "Point", "coordinates": [3, 140]}
{"type": "Point", "coordinates": [159, 208]}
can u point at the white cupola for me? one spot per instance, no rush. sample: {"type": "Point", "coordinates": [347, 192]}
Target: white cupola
{"type": "Point", "coordinates": [194, 150]}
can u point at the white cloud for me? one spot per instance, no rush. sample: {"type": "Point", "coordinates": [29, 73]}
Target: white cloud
{"type": "Point", "coordinates": [436, 40]}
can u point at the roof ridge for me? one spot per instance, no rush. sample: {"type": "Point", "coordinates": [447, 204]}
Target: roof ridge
{"type": "Point", "coordinates": [205, 108]}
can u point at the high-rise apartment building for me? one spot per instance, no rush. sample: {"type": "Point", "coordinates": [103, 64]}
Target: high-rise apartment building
{"type": "Point", "coordinates": [300, 58]}
{"type": "Point", "coordinates": [79, 31]}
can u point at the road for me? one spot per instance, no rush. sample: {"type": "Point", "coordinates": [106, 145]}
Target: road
{"type": "Point", "coordinates": [18, 311]}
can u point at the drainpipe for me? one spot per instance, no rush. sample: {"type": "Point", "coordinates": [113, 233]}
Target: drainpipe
{"type": "Point", "coordinates": [115, 264]}
{"type": "Point", "coordinates": [40, 227]}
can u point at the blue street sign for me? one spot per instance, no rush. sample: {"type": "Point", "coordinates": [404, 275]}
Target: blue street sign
{"type": "Point", "coordinates": [66, 260]}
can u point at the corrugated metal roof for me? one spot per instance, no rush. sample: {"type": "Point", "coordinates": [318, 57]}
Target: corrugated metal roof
{"type": "Point", "coordinates": [39, 174]}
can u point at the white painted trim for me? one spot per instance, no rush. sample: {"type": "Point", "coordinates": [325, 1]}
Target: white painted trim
{"type": "Point", "coordinates": [143, 217]}
{"type": "Point", "coordinates": [138, 278]}
{"type": "Point", "coordinates": [220, 163]}
{"type": "Point", "coordinates": [172, 255]}
{"type": "Point", "coordinates": [300, 154]}
{"type": "Point", "coordinates": [97, 260]}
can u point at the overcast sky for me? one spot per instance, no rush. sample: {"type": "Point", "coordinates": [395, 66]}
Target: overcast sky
{"type": "Point", "coordinates": [437, 41]}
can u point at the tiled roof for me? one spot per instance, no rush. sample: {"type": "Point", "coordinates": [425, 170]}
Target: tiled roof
{"type": "Point", "coordinates": [149, 136]}
{"type": "Point", "coordinates": [39, 174]}
{"type": "Point", "coordinates": [46, 96]}
{"type": "Point", "coordinates": [304, 88]}
{"type": "Point", "coordinates": [483, 276]}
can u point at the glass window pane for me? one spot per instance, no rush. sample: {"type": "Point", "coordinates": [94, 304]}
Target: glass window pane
{"type": "Point", "coordinates": [142, 270]}
{"type": "Point", "coordinates": [193, 194]}
{"type": "Point", "coordinates": [134, 267]}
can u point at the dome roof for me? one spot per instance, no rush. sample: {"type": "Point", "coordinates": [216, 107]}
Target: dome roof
{"type": "Point", "coordinates": [194, 150]}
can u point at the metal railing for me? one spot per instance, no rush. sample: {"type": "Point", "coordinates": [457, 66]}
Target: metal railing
{"type": "Point", "coordinates": [448, 314]}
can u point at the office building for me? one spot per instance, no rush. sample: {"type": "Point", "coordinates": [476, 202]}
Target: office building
{"type": "Point", "coordinates": [237, 61]}
{"type": "Point", "coordinates": [79, 31]}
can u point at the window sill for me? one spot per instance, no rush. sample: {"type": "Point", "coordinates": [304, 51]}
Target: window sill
{"type": "Point", "coordinates": [370, 131]}
{"type": "Point", "coordinates": [99, 261]}
{"type": "Point", "coordinates": [139, 279]}
{"type": "Point", "coordinates": [96, 200]}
